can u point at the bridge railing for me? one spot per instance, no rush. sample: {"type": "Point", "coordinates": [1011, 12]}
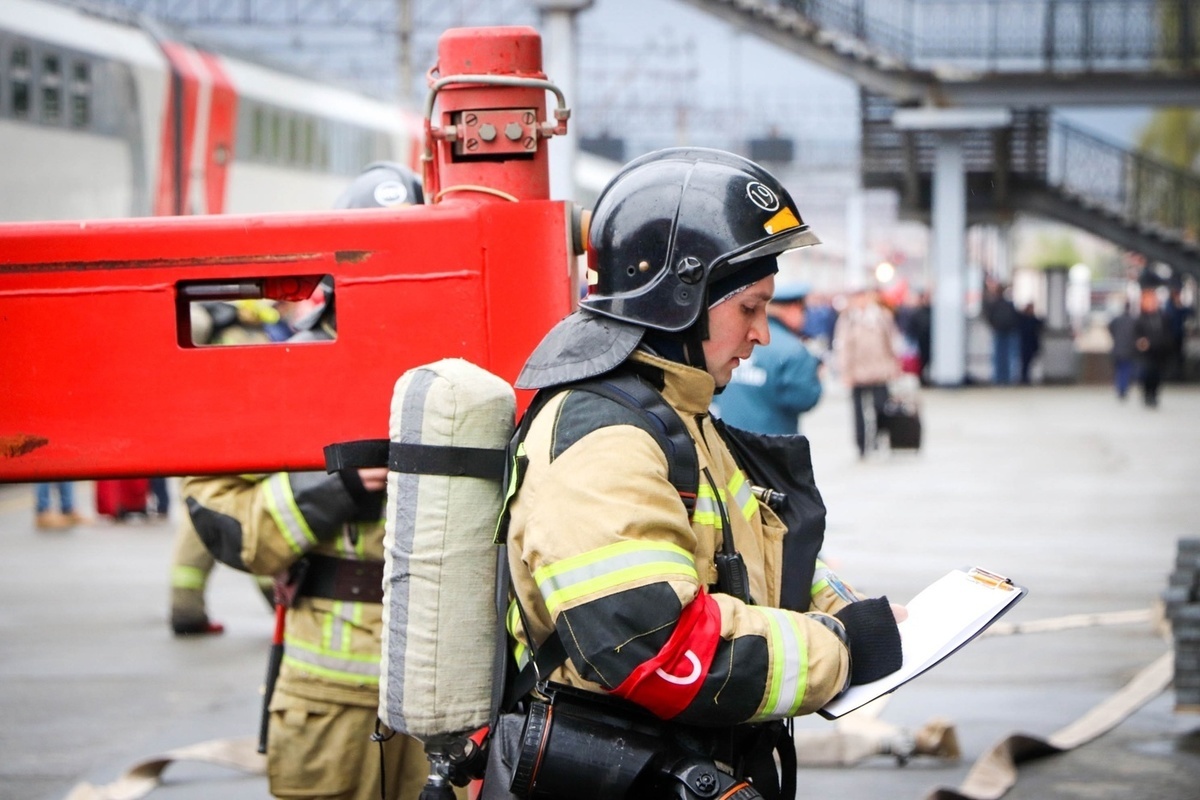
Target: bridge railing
{"type": "Point", "coordinates": [1143, 190]}
{"type": "Point", "coordinates": [1021, 35]}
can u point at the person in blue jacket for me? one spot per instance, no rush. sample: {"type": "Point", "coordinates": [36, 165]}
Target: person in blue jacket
{"type": "Point", "coordinates": [781, 380]}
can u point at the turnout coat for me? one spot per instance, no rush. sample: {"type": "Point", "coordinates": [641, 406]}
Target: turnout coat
{"type": "Point", "coordinates": [602, 550]}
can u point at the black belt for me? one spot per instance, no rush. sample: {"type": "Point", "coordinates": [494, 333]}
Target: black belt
{"type": "Point", "coordinates": [343, 579]}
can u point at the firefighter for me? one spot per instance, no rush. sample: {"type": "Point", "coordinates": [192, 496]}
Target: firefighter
{"type": "Point", "coordinates": [191, 563]}
{"type": "Point", "coordinates": [322, 535]}
{"type": "Point", "coordinates": [602, 552]}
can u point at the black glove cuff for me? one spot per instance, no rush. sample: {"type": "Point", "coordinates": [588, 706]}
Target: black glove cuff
{"type": "Point", "coordinates": [368, 506]}
{"type": "Point", "coordinates": [873, 638]}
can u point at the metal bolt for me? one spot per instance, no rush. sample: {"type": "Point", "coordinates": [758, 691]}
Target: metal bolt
{"type": "Point", "coordinates": [527, 117]}
{"type": "Point", "coordinates": [487, 131]}
{"type": "Point", "coordinates": [513, 131]}
{"type": "Point", "coordinates": [690, 269]}
{"type": "Point", "coordinates": [529, 143]}
{"type": "Point", "coordinates": [469, 120]}
{"type": "Point", "coordinates": [472, 144]}
{"type": "Point", "coordinates": [705, 782]}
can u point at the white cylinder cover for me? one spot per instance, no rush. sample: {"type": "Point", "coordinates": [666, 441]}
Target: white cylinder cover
{"type": "Point", "coordinates": [439, 611]}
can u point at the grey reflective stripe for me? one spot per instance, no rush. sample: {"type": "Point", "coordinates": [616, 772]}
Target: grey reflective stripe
{"type": "Point", "coordinates": [402, 506]}
{"type": "Point", "coordinates": [281, 504]}
{"type": "Point", "coordinates": [610, 567]}
{"type": "Point", "coordinates": [744, 498]}
{"type": "Point", "coordinates": [706, 503]}
{"type": "Point", "coordinates": [824, 577]}
{"type": "Point", "coordinates": [788, 680]}
{"type": "Point", "coordinates": [343, 667]}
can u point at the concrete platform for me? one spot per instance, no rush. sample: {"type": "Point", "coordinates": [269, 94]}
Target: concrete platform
{"type": "Point", "coordinates": [1071, 493]}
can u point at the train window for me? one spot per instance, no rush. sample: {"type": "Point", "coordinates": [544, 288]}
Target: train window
{"type": "Point", "coordinates": [294, 145]}
{"type": "Point", "coordinates": [81, 94]}
{"type": "Point", "coordinates": [322, 145]}
{"type": "Point", "coordinates": [258, 125]}
{"type": "Point", "coordinates": [22, 98]}
{"type": "Point", "coordinates": [51, 88]}
{"type": "Point", "coordinates": [308, 154]}
{"type": "Point", "coordinates": [275, 143]}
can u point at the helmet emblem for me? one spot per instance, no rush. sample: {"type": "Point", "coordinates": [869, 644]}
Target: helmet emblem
{"type": "Point", "coordinates": [762, 196]}
{"type": "Point", "coordinates": [390, 193]}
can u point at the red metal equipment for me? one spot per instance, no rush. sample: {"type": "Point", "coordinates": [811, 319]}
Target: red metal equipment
{"type": "Point", "coordinates": [98, 375]}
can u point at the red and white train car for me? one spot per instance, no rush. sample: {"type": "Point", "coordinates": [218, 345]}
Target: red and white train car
{"type": "Point", "coordinates": [105, 114]}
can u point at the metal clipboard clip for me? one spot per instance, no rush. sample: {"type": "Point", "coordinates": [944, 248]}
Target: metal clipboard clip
{"type": "Point", "coordinates": [990, 579]}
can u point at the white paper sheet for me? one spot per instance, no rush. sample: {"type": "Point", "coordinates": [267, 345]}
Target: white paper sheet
{"type": "Point", "coordinates": [941, 618]}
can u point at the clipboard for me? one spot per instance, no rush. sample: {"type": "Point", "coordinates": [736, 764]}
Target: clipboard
{"type": "Point", "coordinates": [942, 618]}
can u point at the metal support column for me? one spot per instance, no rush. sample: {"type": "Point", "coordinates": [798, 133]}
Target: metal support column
{"type": "Point", "coordinates": [949, 212]}
{"type": "Point", "coordinates": [558, 34]}
{"type": "Point", "coordinates": [949, 364]}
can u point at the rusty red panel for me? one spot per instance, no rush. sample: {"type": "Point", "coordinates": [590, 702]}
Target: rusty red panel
{"type": "Point", "coordinates": [99, 380]}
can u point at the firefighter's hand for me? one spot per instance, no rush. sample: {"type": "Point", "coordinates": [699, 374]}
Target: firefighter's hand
{"type": "Point", "coordinates": [899, 612]}
{"type": "Point", "coordinates": [374, 479]}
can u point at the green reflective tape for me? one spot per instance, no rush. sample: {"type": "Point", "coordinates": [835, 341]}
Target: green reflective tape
{"type": "Point", "coordinates": [788, 680]}
{"type": "Point", "coordinates": [609, 567]}
{"type": "Point", "coordinates": [281, 505]}
{"type": "Point", "coordinates": [188, 578]}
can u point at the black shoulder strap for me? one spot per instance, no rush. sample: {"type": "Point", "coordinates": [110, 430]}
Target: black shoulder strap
{"type": "Point", "coordinates": [424, 459]}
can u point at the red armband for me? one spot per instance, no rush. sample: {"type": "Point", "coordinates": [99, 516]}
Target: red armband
{"type": "Point", "coordinates": [667, 683]}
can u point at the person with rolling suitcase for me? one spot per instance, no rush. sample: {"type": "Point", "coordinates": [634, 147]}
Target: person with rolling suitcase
{"type": "Point", "coordinates": [864, 349]}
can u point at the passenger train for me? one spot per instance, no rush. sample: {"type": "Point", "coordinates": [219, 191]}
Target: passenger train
{"type": "Point", "coordinates": [103, 113]}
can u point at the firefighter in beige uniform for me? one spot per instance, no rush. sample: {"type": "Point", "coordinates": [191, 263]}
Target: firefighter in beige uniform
{"type": "Point", "coordinates": [326, 531]}
{"type": "Point", "coordinates": [601, 548]}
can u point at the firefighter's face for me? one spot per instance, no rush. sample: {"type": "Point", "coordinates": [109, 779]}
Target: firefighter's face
{"type": "Point", "coordinates": [735, 326]}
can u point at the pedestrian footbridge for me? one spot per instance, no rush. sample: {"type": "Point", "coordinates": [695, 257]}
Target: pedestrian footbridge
{"type": "Point", "coordinates": [955, 116]}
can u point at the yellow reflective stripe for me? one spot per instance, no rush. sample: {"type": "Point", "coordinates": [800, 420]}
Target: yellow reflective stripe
{"type": "Point", "coordinates": [825, 578]}
{"type": "Point", "coordinates": [510, 492]}
{"type": "Point", "coordinates": [188, 578]}
{"type": "Point", "coordinates": [706, 512]}
{"type": "Point", "coordinates": [743, 498]}
{"type": "Point", "coordinates": [360, 670]}
{"type": "Point", "coordinates": [788, 680]}
{"type": "Point", "coordinates": [708, 500]}
{"type": "Point", "coordinates": [281, 505]}
{"type": "Point", "coordinates": [609, 567]}
{"type": "Point", "coordinates": [511, 619]}
{"type": "Point", "coordinates": [353, 545]}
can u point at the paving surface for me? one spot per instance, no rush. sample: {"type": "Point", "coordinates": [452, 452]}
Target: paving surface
{"type": "Point", "coordinates": [1075, 495]}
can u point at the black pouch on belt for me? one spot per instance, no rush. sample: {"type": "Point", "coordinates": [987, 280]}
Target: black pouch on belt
{"type": "Point", "coordinates": [575, 744]}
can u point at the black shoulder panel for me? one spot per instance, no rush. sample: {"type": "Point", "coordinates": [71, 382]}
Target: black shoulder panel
{"type": "Point", "coordinates": [583, 412]}
{"type": "Point", "coordinates": [220, 533]}
{"type": "Point", "coordinates": [626, 399]}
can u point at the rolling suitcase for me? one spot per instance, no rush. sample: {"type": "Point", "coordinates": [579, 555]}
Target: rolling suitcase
{"type": "Point", "coordinates": [902, 422]}
{"type": "Point", "coordinates": [121, 497]}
